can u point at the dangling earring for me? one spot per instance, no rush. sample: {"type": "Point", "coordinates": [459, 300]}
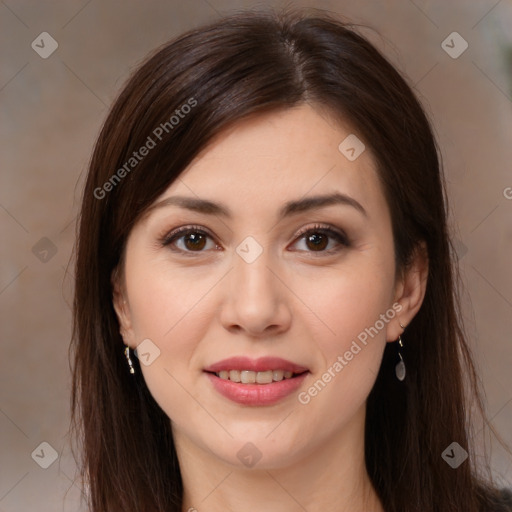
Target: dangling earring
{"type": "Point", "coordinates": [400, 367]}
{"type": "Point", "coordinates": [127, 355]}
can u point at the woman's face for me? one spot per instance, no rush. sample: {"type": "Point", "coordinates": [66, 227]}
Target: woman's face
{"type": "Point", "coordinates": [268, 273]}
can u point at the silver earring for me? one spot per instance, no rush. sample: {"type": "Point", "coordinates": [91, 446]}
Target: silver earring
{"type": "Point", "coordinates": [400, 367]}
{"type": "Point", "coordinates": [127, 355]}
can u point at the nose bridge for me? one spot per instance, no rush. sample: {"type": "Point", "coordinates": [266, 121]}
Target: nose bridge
{"type": "Point", "coordinates": [253, 280]}
{"type": "Point", "coordinates": [256, 297]}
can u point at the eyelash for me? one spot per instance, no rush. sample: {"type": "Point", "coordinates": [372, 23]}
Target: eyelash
{"type": "Point", "coordinates": [339, 236]}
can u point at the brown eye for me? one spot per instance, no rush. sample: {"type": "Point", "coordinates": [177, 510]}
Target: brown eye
{"type": "Point", "coordinates": [317, 241]}
{"type": "Point", "coordinates": [318, 238]}
{"type": "Point", "coordinates": [194, 241]}
{"type": "Point", "coordinates": [188, 240]}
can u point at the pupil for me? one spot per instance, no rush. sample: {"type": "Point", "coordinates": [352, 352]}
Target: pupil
{"type": "Point", "coordinates": [195, 241]}
{"type": "Point", "coordinates": [318, 240]}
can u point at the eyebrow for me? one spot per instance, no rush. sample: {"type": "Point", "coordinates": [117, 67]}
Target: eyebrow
{"type": "Point", "coordinates": [290, 208]}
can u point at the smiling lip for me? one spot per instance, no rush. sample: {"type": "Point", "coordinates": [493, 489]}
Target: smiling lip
{"type": "Point", "coordinates": [256, 365]}
{"type": "Point", "coordinates": [256, 394]}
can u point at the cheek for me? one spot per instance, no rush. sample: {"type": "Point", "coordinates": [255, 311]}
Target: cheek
{"type": "Point", "coordinates": [351, 337]}
{"type": "Point", "coordinates": [163, 300]}
{"type": "Point", "coordinates": [348, 301]}
{"type": "Point", "coordinates": [169, 308]}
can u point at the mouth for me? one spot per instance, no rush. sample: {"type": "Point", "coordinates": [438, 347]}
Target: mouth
{"type": "Point", "coordinates": [256, 382]}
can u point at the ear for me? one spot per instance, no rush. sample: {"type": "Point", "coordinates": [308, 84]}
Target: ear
{"type": "Point", "coordinates": [409, 291]}
{"type": "Point", "coordinates": [121, 307]}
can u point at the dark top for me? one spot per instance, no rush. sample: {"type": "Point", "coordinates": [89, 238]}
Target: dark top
{"type": "Point", "coordinates": [504, 504]}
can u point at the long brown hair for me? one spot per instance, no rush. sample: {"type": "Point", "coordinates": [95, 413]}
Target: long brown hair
{"type": "Point", "coordinates": [240, 65]}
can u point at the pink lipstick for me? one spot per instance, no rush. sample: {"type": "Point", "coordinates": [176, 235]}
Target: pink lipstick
{"type": "Point", "coordinates": [256, 382]}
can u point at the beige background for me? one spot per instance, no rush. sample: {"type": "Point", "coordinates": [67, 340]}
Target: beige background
{"type": "Point", "coordinates": [52, 110]}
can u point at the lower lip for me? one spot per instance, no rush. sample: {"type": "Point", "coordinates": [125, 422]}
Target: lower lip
{"type": "Point", "coordinates": [256, 394]}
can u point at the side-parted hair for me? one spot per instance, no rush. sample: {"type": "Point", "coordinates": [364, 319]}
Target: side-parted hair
{"type": "Point", "coordinates": [182, 96]}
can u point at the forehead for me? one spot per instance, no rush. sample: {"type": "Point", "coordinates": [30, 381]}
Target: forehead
{"type": "Point", "coordinates": [269, 159]}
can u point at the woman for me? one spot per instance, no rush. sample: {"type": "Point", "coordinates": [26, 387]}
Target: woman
{"type": "Point", "coordinates": [264, 223]}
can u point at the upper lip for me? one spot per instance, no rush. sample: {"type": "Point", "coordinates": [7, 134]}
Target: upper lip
{"type": "Point", "coordinates": [256, 365]}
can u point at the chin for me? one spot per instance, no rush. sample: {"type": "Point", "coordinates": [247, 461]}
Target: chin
{"type": "Point", "coordinates": [259, 451]}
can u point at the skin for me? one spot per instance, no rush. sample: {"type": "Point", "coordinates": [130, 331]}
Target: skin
{"type": "Point", "coordinates": [293, 301]}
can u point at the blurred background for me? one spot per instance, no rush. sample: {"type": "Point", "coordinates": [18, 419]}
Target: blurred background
{"type": "Point", "coordinates": [62, 64]}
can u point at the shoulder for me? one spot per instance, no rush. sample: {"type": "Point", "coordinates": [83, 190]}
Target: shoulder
{"type": "Point", "coordinates": [504, 502]}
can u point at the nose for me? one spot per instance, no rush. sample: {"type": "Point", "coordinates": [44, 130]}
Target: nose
{"type": "Point", "coordinates": [256, 300]}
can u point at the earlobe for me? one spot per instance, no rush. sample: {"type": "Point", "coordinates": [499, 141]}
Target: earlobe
{"type": "Point", "coordinates": [410, 291]}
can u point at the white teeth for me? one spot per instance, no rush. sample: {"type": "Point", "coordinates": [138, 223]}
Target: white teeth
{"type": "Point", "coordinates": [234, 375]}
{"type": "Point", "coordinates": [250, 377]}
{"type": "Point", "coordinates": [278, 375]}
{"type": "Point", "coordinates": [264, 377]}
